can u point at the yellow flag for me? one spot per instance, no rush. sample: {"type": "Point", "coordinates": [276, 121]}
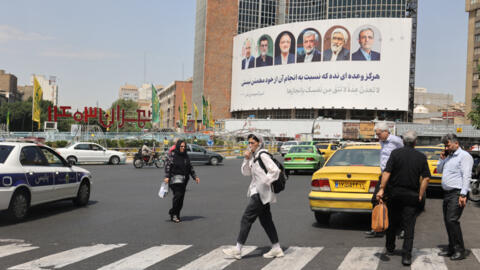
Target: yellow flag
{"type": "Point", "coordinates": [37, 97]}
{"type": "Point", "coordinates": [195, 113]}
{"type": "Point", "coordinates": [161, 118]}
{"type": "Point", "coordinates": [185, 111]}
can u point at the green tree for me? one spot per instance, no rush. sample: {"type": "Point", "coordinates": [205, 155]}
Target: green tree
{"type": "Point", "coordinates": [21, 114]}
{"type": "Point", "coordinates": [130, 107]}
{"type": "Point", "coordinates": [474, 114]}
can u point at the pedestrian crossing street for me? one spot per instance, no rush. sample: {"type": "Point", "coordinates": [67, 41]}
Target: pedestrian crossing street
{"type": "Point", "coordinates": [295, 257]}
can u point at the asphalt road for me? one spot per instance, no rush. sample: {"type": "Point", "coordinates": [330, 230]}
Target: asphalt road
{"type": "Point", "coordinates": [125, 209]}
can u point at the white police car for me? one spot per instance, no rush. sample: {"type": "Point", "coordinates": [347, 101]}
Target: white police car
{"type": "Point", "coordinates": [32, 174]}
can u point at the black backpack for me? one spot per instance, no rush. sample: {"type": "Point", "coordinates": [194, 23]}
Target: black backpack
{"type": "Point", "coordinates": [279, 184]}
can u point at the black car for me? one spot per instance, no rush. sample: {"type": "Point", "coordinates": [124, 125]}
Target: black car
{"type": "Point", "coordinates": [200, 155]}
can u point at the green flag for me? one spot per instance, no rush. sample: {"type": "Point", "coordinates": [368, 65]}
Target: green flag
{"type": "Point", "coordinates": [155, 106]}
{"type": "Point", "coordinates": [180, 115]}
{"type": "Point", "coordinates": [204, 111]}
{"type": "Point", "coordinates": [8, 120]}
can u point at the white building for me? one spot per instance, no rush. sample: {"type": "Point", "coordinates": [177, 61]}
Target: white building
{"type": "Point", "coordinates": [49, 87]}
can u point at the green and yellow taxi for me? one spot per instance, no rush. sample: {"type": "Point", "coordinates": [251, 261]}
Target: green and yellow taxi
{"type": "Point", "coordinates": [433, 155]}
{"type": "Point", "coordinates": [303, 157]}
{"type": "Point", "coordinates": [346, 182]}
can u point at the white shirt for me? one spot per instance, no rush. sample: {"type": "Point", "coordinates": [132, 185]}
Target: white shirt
{"type": "Point", "coordinates": [261, 181]}
{"type": "Point", "coordinates": [334, 56]}
{"type": "Point", "coordinates": [284, 59]}
{"type": "Point", "coordinates": [309, 57]}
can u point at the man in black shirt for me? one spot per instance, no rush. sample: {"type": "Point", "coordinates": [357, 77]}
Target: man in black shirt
{"type": "Point", "coordinates": [403, 192]}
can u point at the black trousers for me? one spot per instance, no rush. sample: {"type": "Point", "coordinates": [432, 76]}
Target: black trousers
{"type": "Point", "coordinates": [402, 214]}
{"type": "Point", "coordinates": [451, 216]}
{"type": "Point", "coordinates": [178, 196]}
{"type": "Point", "coordinates": [256, 208]}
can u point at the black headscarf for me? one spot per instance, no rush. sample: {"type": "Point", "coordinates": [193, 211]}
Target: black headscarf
{"type": "Point", "coordinates": [177, 148]}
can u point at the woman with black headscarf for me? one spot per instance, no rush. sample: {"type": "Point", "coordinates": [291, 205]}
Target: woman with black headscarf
{"type": "Point", "coordinates": [177, 173]}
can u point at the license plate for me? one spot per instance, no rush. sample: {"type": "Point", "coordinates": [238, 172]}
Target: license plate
{"type": "Point", "coordinates": [350, 185]}
{"type": "Point", "coordinates": [299, 159]}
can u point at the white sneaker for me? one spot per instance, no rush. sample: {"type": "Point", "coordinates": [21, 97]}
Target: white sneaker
{"type": "Point", "coordinates": [233, 253]}
{"type": "Point", "coordinates": [274, 253]}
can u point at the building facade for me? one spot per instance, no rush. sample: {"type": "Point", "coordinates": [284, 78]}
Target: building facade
{"type": "Point", "coordinates": [218, 21]}
{"type": "Point", "coordinates": [49, 88]}
{"type": "Point", "coordinates": [473, 52]}
{"type": "Point", "coordinates": [128, 92]}
{"type": "Point", "coordinates": [8, 87]}
{"type": "Point", "coordinates": [170, 98]}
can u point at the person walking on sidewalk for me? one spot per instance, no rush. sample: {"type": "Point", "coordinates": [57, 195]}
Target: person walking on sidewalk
{"type": "Point", "coordinates": [177, 172]}
{"type": "Point", "coordinates": [260, 196]}
{"type": "Point", "coordinates": [388, 143]}
{"type": "Point", "coordinates": [455, 165]}
{"type": "Point", "coordinates": [400, 181]}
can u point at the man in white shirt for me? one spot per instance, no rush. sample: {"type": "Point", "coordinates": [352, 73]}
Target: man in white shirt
{"type": "Point", "coordinates": [337, 50]}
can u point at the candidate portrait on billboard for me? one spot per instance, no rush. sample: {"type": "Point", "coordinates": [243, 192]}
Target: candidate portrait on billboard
{"type": "Point", "coordinates": [368, 44]}
{"type": "Point", "coordinates": [265, 51]}
{"type": "Point", "coordinates": [248, 61]}
{"type": "Point", "coordinates": [309, 46]}
{"type": "Point", "coordinates": [285, 48]}
{"type": "Point", "coordinates": [337, 44]}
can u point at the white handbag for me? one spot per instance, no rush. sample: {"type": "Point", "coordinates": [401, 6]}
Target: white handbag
{"type": "Point", "coordinates": [163, 190]}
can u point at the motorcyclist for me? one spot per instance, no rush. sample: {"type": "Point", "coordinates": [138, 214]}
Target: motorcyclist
{"type": "Point", "coordinates": [147, 152]}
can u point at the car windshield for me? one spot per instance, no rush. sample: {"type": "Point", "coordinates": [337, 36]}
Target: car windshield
{"type": "Point", "coordinates": [355, 157]}
{"type": "Point", "coordinates": [322, 146]}
{"type": "Point", "coordinates": [4, 152]}
{"type": "Point", "coordinates": [304, 143]}
{"type": "Point", "coordinates": [431, 153]}
{"type": "Point", "coordinates": [301, 149]}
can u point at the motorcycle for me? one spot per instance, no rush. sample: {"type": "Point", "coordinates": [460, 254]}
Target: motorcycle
{"type": "Point", "coordinates": [140, 160]}
{"type": "Point", "coordinates": [474, 190]}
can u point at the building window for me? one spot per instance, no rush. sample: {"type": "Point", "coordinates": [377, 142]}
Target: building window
{"type": "Point", "coordinates": [475, 76]}
{"type": "Point", "coordinates": [477, 38]}
{"type": "Point", "coordinates": [476, 50]}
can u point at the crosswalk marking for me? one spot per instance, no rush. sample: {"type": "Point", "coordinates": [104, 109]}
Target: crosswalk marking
{"type": "Point", "coordinates": [426, 259]}
{"type": "Point", "coordinates": [295, 258]}
{"type": "Point", "coordinates": [476, 252]}
{"type": "Point", "coordinates": [65, 258]}
{"type": "Point", "coordinates": [11, 249]}
{"type": "Point", "coordinates": [362, 258]}
{"type": "Point", "coordinates": [215, 260]}
{"type": "Point", "coordinates": [146, 258]}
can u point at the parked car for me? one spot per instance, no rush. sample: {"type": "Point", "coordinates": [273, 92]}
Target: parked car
{"type": "Point", "coordinates": [286, 147]}
{"type": "Point", "coordinates": [83, 152]}
{"type": "Point", "coordinates": [303, 157]}
{"type": "Point", "coordinates": [200, 155]}
{"type": "Point", "coordinates": [32, 174]}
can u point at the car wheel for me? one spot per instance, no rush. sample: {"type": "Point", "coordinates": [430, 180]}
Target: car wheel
{"type": "Point", "coordinates": [322, 217]}
{"type": "Point", "coordinates": [83, 194]}
{"type": "Point", "coordinates": [138, 163]}
{"type": "Point", "coordinates": [159, 163]}
{"type": "Point", "coordinates": [115, 160]}
{"type": "Point", "coordinates": [72, 160]}
{"type": "Point", "coordinates": [213, 161]}
{"type": "Point", "coordinates": [18, 207]}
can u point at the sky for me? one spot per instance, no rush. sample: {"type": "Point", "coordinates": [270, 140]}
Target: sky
{"type": "Point", "coordinates": [95, 47]}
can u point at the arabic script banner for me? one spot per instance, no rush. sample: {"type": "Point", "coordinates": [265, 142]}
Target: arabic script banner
{"type": "Point", "coordinates": [346, 63]}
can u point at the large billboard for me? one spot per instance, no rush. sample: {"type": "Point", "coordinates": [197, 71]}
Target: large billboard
{"type": "Point", "coordinates": [347, 63]}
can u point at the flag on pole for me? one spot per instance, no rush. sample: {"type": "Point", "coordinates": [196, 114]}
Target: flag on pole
{"type": "Point", "coordinates": [37, 97]}
{"type": "Point", "coordinates": [8, 119]}
{"type": "Point", "coordinates": [180, 116]}
{"type": "Point", "coordinates": [155, 105]}
{"type": "Point", "coordinates": [210, 116]}
{"type": "Point", "coordinates": [161, 118]}
{"type": "Point", "coordinates": [195, 113]}
{"type": "Point", "coordinates": [204, 111]}
{"type": "Point", "coordinates": [185, 109]}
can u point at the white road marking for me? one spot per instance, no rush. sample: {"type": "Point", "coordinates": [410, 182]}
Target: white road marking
{"type": "Point", "coordinates": [362, 258]}
{"type": "Point", "coordinates": [146, 258]}
{"type": "Point", "coordinates": [11, 249]}
{"type": "Point", "coordinates": [427, 258]}
{"type": "Point", "coordinates": [215, 260]}
{"type": "Point", "coordinates": [476, 252]}
{"type": "Point", "coordinates": [65, 258]}
{"type": "Point", "coordinates": [295, 258]}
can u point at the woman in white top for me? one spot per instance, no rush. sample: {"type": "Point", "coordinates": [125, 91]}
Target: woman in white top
{"type": "Point", "coordinates": [260, 196]}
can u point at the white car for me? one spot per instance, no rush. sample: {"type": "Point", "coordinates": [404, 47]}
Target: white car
{"type": "Point", "coordinates": [286, 147]}
{"type": "Point", "coordinates": [32, 174]}
{"type": "Point", "coordinates": [82, 152]}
